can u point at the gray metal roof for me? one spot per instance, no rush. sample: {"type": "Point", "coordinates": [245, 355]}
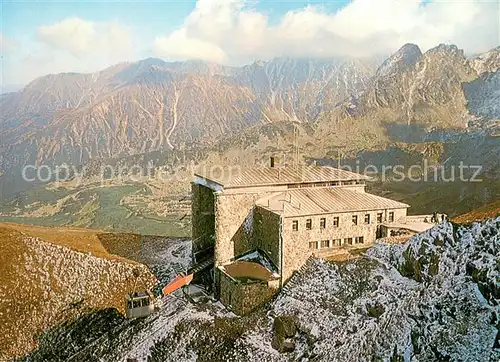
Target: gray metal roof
{"type": "Point", "coordinates": [138, 295]}
{"type": "Point", "coordinates": [267, 176]}
{"type": "Point", "coordinates": [316, 201]}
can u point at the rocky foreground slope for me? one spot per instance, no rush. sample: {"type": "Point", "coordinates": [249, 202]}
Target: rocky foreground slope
{"type": "Point", "coordinates": [44, 284]}
{"type": "Point", "coordinates": [434, 298]}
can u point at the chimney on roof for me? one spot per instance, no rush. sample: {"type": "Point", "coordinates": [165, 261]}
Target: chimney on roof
{"type": "Point", "coordinates": [272, 162]}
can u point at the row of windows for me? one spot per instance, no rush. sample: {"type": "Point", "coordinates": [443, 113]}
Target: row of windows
{"type": "Point", "coordinates": [324, 244]}
{"type": "Point", "coordinates": [322, 221]}
{"type": "Point", "coordinates": [324, 184]}
{"type": "Point", "coordinates": [144, 302]}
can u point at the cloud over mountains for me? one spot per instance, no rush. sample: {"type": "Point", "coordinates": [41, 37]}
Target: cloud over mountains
{"type": "Point", "coordinates": [84, 38]}
{"type": "Point", "coordinates": [229, 31]}
{"type": "Point", "coordinates": [235, 32]}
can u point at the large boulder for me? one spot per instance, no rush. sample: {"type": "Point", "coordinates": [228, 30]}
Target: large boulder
{"type": "Point", "coordinates": [374, 310]}
{"type": "Point", "coordinates": [285, 325]}
{"type": "Point", "coordinates": [284, 330]}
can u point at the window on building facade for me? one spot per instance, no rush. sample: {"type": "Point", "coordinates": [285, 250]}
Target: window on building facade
{"type": "Point", "coordinates": [309, 224]}
{"type": "Point", "coordinates": [295, 225]}
{"type": "Point", "coordinates": [358, 240]}
{"type": "Point", "coordinates": [336, 221]}
{"type": "Point", "coordinates": [348, 241]}
{"type": "Point", "coordinates": [337, 242]}
{"type": "Point", "coordinates": [354, 219]}
{"type": "Point", "coordinates": [322, 223]}
{"type": "Point", "coordinates": [379, 217]}
{"type": "Point", "coordinates": [325, 243]}
{"type": "Point", "coordinates": [367, 218]}
{"type": "Point", "coordinates": [321, 184]}
{"type": "Point", "coordinates": [391, 216]}
{"type": "Point", "coordinates": [313, 245]}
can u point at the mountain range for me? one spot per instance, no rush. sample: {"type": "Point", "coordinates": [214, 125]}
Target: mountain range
{"type": "Point", "coordinates": [440, 104]}
{"type": "Point", "coordinates": [152, 105]}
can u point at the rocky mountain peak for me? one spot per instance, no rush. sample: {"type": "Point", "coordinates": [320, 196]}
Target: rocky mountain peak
{"type": "Point", "coordinates": [488, 62]}
{"type": "Point", "coordinates": [404, 59]}
{"type": "Point", "coordinates": [447, 52]}
{"type": "Point", "coordinates": [149, 62]}
{"type": "Point", "coordinates": [152, 75]}
{"type": "Point", "coordinates": [408, 81]}
{"type": "Point", "coordinates": [448, 61]}
{"type": "Point", "coordinates": [135, 69]}
{"type": "Point", "coordinates": [445, 48]}
{"type": "Point", "coordinates": [258, 63]}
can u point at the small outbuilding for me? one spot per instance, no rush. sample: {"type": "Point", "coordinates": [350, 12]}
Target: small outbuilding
{"type": "Point", "coordinates": [247, 282]}
{"type": "Point", "coordinates": [400, 229]}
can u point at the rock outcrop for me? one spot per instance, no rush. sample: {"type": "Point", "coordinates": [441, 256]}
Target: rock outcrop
{"type": "Point", "coordinates": [284, 330]}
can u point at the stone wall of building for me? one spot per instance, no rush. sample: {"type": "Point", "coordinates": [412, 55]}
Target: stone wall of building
{"type": "Point", "coordinates": [203, 217]}
{"type": "Point", "coordinates": [266, 233]}
{"type": "Point", "coordinates": [234, 224]}
{"type": "Point", "coordinates": [241, 297]}
{"type": "Point", "coordinates": [296, 243]}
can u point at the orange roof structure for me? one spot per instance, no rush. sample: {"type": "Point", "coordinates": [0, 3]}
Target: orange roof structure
{"type": "Point", "coordinates": [177, 282]}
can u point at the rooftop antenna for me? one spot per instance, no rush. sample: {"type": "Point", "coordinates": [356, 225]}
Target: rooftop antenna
{"type": "Point", "coordinates": [278, 147]}
{"type": "Point", "coordinates": [296, 146]}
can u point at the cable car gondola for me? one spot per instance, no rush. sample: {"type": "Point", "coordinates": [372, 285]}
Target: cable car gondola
{"type": "Point", "coordinates": [139, 304]}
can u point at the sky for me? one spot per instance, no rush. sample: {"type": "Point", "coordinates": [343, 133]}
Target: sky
{"type": "Point", "coordinates": [44, 37]}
